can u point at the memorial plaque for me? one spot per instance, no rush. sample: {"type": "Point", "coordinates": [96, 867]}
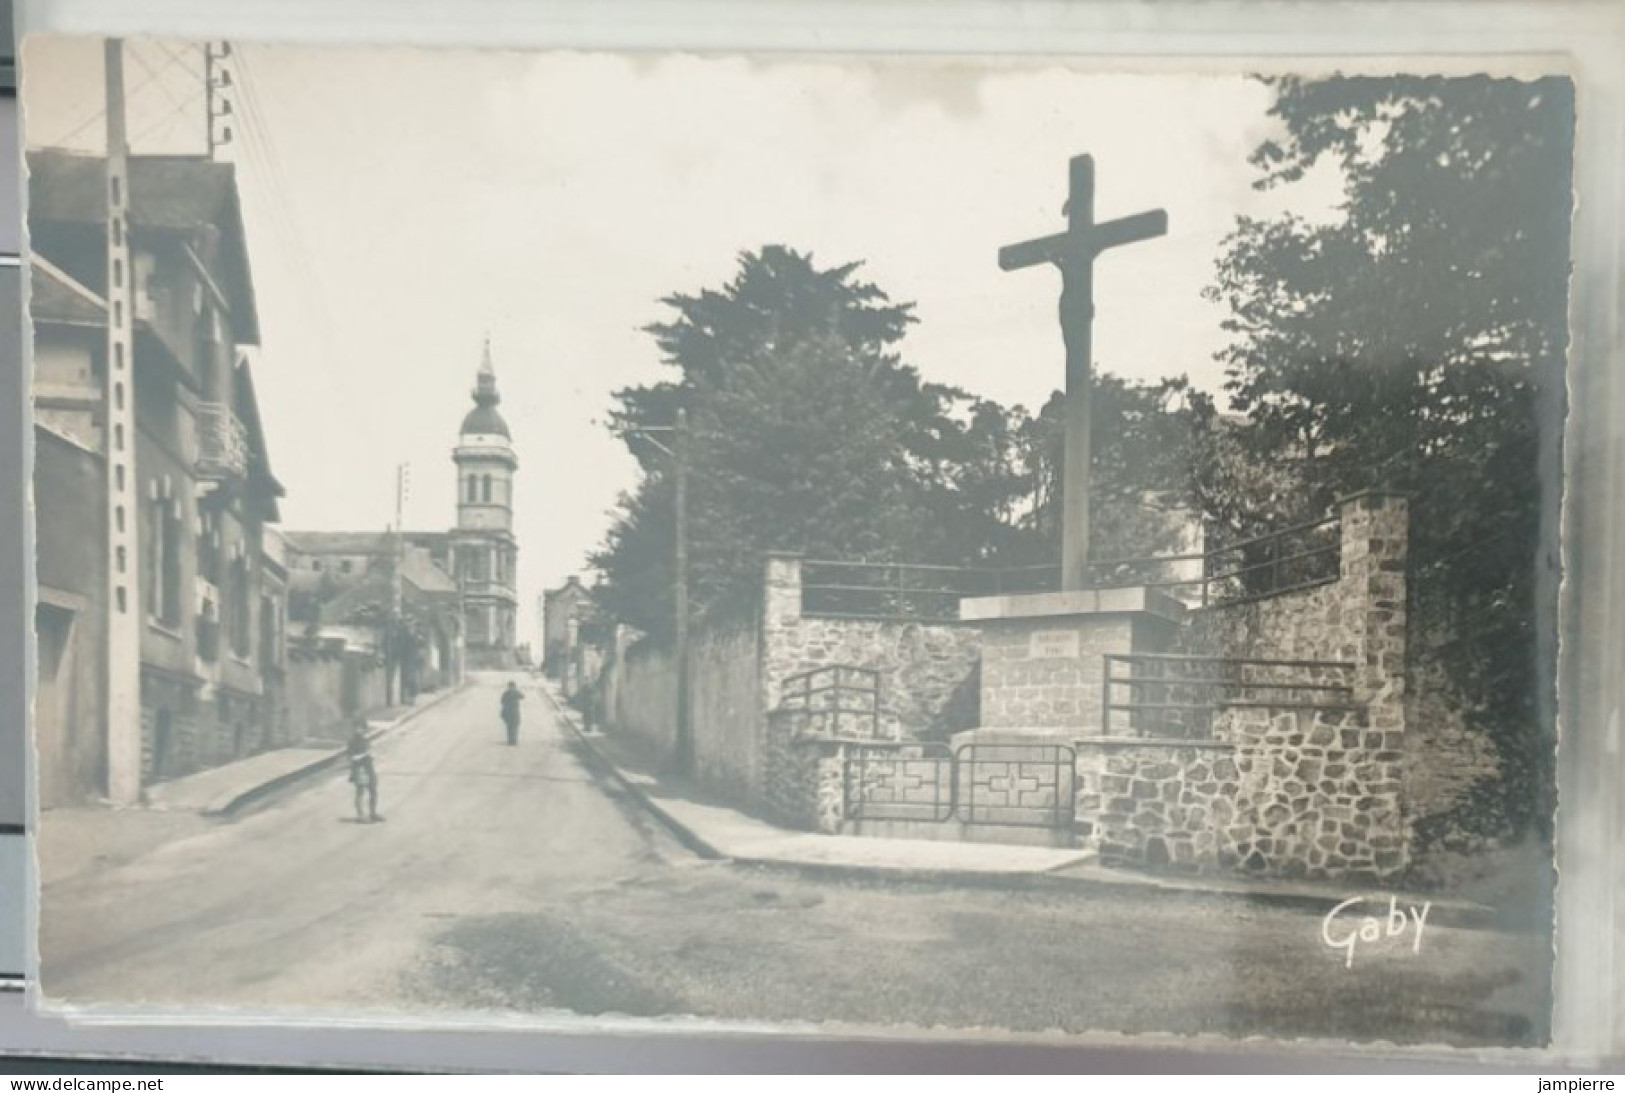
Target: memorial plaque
{"type": "Point", "coordinates": [1053, 644]}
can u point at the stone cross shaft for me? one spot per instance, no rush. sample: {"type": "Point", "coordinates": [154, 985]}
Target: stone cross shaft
{"type": "Point", "coordinates": [1075, 251]}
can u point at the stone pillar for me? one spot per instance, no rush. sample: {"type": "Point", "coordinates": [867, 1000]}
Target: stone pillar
{"type": "Point", "coordinates": [780, 619]}
{"type": "Point", "coordinates": [1043, 656]}
{"type": "Point", "coordinates": [1375, 528]}
{"type": "Point", "coordinates": [781, 588]}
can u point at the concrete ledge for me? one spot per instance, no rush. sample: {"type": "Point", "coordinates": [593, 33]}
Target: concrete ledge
{"type": "Point", "coordinates": [1092, 601]}
{"type": "Point", "coordinates": [1150, 742]}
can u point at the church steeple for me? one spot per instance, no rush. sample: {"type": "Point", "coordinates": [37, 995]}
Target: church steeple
{"type": "Point", "coordinates": [484, 420]}
{"type": "Point", "coordinates": [487, 555]}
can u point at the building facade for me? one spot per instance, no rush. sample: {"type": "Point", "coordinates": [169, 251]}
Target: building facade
{"type": "Point", "coordinates": [564, 609]}
{"type": "Point", "coordinates": [153, 466]}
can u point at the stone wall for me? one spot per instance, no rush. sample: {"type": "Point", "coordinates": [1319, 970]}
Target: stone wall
{"type": "Point", "coordinates": [1316, 791]}
{"type": "Point", "coordinates": [1155, 802]}
{"type": "Point", "coordinates": [804, 776]}
{"type": "Point", "coordinates": [323, 690]}
{"type": "Point", "coordinates": [186, 728]}
{"type": "Point", "coordinates": [1303, 625]}
{"type": "Point", "coordinates": [639, 686]}
{"type": "Point", "coordinates": [638, 690]}
{"type": "Point", "coordinates": [1360, 618]}
{"type": "Point", "coordinates": [1052, 678]}
{"type": "Point", "coordinates": [813, 782]}
{"type": "Point", "coordinates": [1278, 792]}
{"type": "Point", "coordinates": [1319, 793]}
{"type": "Point", "coordinates": [724, 696]}
{"type": "Point", "coordinates": [928, 681]}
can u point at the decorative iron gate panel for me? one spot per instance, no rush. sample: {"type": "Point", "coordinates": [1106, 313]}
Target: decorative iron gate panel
{"type": "Point", "coordinates": [901, 787]}
{"type": "Point", "coordinates": [1016, 785]}
{"type": "Point", "coordinates": [1006, 785]}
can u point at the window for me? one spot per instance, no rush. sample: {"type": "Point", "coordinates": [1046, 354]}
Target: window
{"type": "Point", "coordinates": [241, 613]}
{"type": "Point", "coordinates": [164, 562]}
{"type": "Point", "coordinates": [344, 566]}
{"type": "Point", "coordinates": [485, 488]}
{"type": "Point", "coordinates": [205, 350]}
{"type": "Point", "coordinates": [208, 549]}
{"type": "Point", "coordinates": [473, 487]}
{"type": "Point", "coordinates": [270, 633]}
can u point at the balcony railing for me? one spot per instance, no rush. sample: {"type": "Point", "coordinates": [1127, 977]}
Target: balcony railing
{"type": "Point", "coordinates": [222, 442]}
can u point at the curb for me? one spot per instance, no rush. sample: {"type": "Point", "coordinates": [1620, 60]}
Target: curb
{"type": "Point", "coordinates": [679, 830]}
{"type": "Point", "coordinates": [249, 796]}
{"type": "Point", "coordinates": [1444, 913]}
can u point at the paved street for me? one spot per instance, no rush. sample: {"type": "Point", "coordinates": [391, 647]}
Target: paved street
{"type": "Point", "coordinates": [515, 879]}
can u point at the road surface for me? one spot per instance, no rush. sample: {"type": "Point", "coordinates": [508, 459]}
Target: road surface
{"type": "Point", "coordinates": [515, 880]}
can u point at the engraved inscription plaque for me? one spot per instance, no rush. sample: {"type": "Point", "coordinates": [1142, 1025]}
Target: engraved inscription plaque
{"type": "Point", "coordinates": [1053, 644]}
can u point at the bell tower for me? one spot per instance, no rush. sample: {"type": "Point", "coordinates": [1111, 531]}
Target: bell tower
{"type": "Point", "coordinates": [487, 554]}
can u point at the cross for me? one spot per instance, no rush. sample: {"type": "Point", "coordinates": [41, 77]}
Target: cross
{"type": "Point", "coordinates": [1075, 251]}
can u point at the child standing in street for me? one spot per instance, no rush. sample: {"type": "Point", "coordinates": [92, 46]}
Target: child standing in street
{"type": "Point", "coordinates": [363, 775]}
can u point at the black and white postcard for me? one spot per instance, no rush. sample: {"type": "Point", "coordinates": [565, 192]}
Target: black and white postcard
{"type": "Point", "coordinates": [897, 545]}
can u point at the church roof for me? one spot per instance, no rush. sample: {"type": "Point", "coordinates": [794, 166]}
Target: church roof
{"type": "Point", "coordinates": [420, 571]}
{"type": "Point", "coordinates": [484, 420]}
{"type": "Point", "coordinates": [338, 542]}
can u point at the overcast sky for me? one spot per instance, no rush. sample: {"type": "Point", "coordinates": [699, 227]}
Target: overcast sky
{"type": "Point", "coordinates": [400, 204]}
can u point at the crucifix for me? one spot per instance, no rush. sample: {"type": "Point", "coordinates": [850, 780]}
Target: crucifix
{"type": "Point", "coordinates": [1075, 251]}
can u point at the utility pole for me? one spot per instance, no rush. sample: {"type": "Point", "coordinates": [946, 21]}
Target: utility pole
{"type": "Point", "coordinates": [685, 727]}
{"type": "Point", "coordinates": [125, 590]}
{"type": "Point", "coordinates": [679, 455]}
{"type": "Point", "coordinates": [393, 644]}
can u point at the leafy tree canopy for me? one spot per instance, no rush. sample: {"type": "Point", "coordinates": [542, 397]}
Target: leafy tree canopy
{"type": "Point", "coordinates": [1416, 340]}
{"type": "Point", "coordinates": [809, 433]}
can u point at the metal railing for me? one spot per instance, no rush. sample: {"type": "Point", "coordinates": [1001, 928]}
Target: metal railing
{"type": "Point", "coordinates": [1289, 559]}
{"type": "Point", "coordinates": [1172, 696]}
{"type": "Point", "coordinates": [840, 700]}
{"type": "Point", "coordinates": [920, 783]}
{"type": "Point", "coordinates": [1027, 784]}
{"type": "Point", "coordinates": [222, 442]}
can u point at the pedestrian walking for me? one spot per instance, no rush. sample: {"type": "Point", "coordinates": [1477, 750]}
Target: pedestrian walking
{"type": "Point", "coordinates": [511, 698]}
{"type": "Point", "coordinates": [363, 775]}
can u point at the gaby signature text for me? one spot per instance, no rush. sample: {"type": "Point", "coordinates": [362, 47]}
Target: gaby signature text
{"type": "Point", "coordinates": [1350, 925]}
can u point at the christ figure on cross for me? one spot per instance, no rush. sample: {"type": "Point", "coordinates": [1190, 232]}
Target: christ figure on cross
{"type": "Point", "coordinates": [1075, 251]}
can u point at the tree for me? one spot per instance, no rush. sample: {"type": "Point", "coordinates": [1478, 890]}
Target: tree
{"type": "Point", "coordinates": [1146, 440]}
{"type": "Point", "coordinates": [807, 434]}
{"type": "Point", "coordinates": [810, 434]}
{"type": "Point", "coordinates": [1417, 341]}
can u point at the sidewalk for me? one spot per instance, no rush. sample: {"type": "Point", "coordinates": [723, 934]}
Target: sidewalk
{"type": "Point", "coordinates": [226, 790]}
{"type": "Point", "coordinates": [719, 832]}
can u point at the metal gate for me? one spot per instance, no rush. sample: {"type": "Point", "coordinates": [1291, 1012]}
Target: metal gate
{"type": "Point", "coordinates": [1006, 785]}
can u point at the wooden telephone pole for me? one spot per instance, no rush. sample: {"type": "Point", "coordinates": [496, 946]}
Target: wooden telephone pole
{"type": "Point", "coordinates": [685, 726]}
{"type": "Point", "coordinates": [394, 643]}
{"type": "Point", "coordinates": [683, 758]}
